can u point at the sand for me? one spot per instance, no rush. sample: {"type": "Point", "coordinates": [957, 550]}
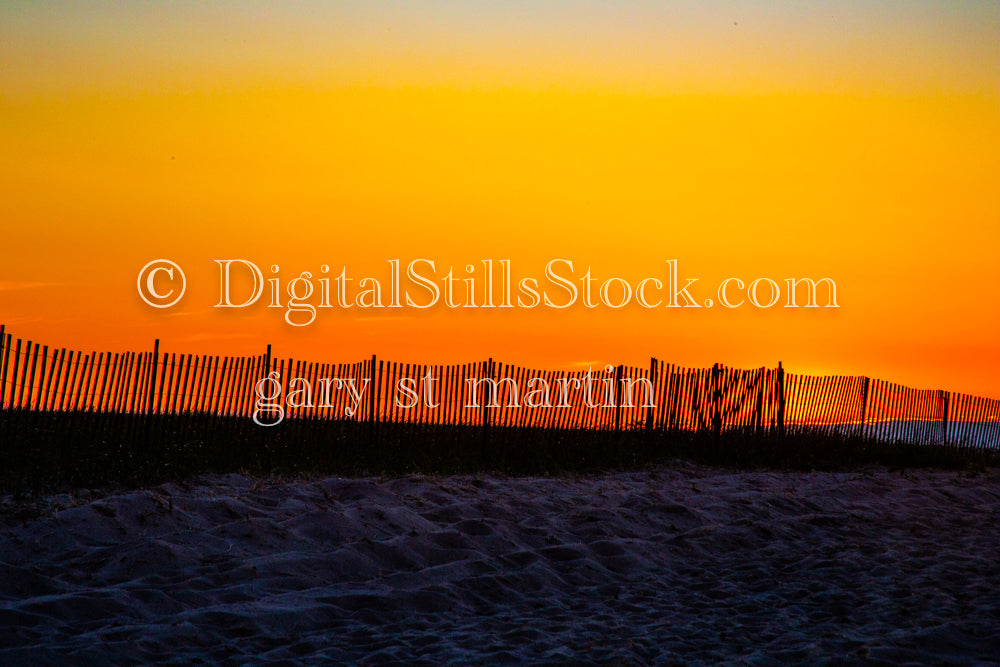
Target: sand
{"type": "Point", "coordinates": [690, 565]}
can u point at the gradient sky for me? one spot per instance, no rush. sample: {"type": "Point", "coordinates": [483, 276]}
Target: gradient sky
{"type": "Point", "coordinates": [858, 141]}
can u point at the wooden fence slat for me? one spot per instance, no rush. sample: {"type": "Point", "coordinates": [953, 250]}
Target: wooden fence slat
{"type": "Point", "coordinates": [43, 386]}
{"type": "Point", "coordinates": [55, 383]}
{"type": "Point", "coordinates": [4, 355]}
{"type": "Point", "coordinates": [115, 389]}
{"type": "Point", "coordinates": [64, 398]}
{"type": "Point", "coordinates": [83, 362]}
{"type": "Point", "coordinates": [24, 374]}
{"type": "Point", "coordinates": [14, 385]}
{"type": "Point", "coordinates": [99, 393]}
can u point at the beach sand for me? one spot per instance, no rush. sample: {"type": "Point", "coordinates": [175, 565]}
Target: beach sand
{"type": "Point", "coordinates": [683, 565]}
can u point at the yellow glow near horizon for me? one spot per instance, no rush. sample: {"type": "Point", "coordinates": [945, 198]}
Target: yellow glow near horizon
{"type": "Point", "coordinates": [775, 142]}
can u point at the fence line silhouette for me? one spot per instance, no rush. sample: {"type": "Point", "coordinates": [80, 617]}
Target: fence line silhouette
{"type": "Point", "coordinates": [35, 377]}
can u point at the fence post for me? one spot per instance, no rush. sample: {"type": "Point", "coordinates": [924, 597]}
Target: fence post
{"type": "Point", "coordinates": [371, 401]}
{"type": "Point", "coordinates": [780, 387]}
{"type": "Point", "coordinates": [3, 380]}
{"type": "Point", "coordinates": [3, 362]}
{"type": "Point", "coordinates": [487, 373]}
{"type": "Point", "coordinates": [146, 402]}
{"type": "Point", "coordinates": [267, 370]}
{"type": "Point", "coordinates": [484, 435]}
{"type": "Point", "coordinates": [151, 382]}
{"type": "Point", "coordinates": [618, 397]}
{"type": "Point", "coordinates": [944, 420]}
{"type": "Point", "coordinates": [864, 405]}
{"type": "Point", "coordinates": [653, 394]}
{"type": "Point", "coordinates": [758, 409]}
{"type": "Point", "coordinates": [716, 401]}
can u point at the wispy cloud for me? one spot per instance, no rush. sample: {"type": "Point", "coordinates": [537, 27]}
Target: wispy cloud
{"type": "Point", "coordinates": [15, 321]}
{"type": "Point", "coordinates": [9, 285]}
{"type": "Point", "coordinates": [211, 336]}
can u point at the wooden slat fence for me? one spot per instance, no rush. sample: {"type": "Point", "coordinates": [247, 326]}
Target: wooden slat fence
{"type": "Point", "coordinates": [663, 396]}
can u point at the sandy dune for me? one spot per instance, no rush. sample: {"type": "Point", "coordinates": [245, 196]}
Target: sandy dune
{"type": "Point", "coordinates": [687, 565]}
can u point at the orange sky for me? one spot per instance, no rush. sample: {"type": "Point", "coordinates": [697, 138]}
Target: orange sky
{"type": "Point", "coordinates": [745, 140]}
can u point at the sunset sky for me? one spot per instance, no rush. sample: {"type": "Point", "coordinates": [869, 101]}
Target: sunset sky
{"type": "Point", "coordinates": [853, 141]}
